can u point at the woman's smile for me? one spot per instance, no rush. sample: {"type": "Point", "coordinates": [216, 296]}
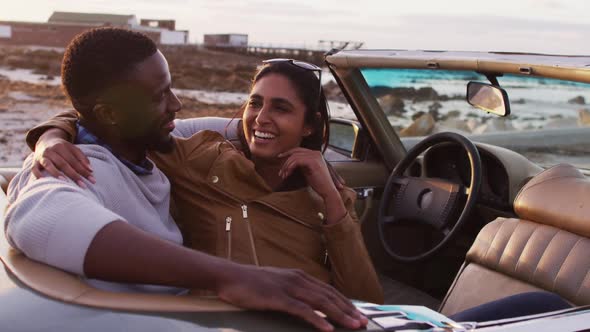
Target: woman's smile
{"type": "Point", "coordinates": [274, 117]}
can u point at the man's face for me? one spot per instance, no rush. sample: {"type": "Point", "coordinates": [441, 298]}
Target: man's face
{"type": "Point", "coordinates": [146, 105]}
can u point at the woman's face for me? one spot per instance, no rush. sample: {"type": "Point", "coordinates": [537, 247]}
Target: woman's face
{"type": "Point", "coordinates": [274, 117]}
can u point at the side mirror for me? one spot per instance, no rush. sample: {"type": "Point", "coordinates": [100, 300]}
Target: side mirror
{"type": "Point", "coordinates": [346, 138]}
{"type": "Point", "coordinates": [488, 97]}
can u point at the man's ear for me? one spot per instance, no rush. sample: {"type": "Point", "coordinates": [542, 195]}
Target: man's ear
{"type": "Point", "coordinates": [105, 114]}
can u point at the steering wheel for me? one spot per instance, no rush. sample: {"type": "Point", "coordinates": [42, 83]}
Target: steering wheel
{"type": "Point", "coordinates": [429, 201]}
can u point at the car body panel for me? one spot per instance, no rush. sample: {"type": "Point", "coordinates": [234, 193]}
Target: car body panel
{"type": "Point", "coordinates": [56, 309]}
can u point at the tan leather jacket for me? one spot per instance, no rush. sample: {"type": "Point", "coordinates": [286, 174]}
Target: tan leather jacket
{"type": "Point", "coordinates": [226, 209]}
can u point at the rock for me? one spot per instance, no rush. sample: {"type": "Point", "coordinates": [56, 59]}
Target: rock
{"type": "Point", "coordinates": [453, 114]}
{"type": "Point", "coordinates": [435, 114]}
{"type": "Point", "coordinates": [584, 117]}
{"type": "Point", "coordinates": [425, 94]}
{"type": "Point", "coordinates": [518, 101]}
{"type": "Point", "coordinates": [472, 123]}
{"type": "Point", "coordinates": [333, 92]}
{"type": "Point", "coordinates": [21, 96]}
{"type": "Point", "coordinates": [434, 107]}
{"type": "Point", "coordinates": [417, 115]}
{"type": "Point", "coordinates": [422, 126]}
{"type": "Point", "coordinates": [404, 93]}
{"type": "Point", "coordinates": [453, 124]}
{"type": "Point", "coordinates": [494, 125]}
{"type": "Point", "coordinates": [579, 100]}
{"type": "Point", "coordinates": [392, 105]}
{"type": "Point", "coordinates": [561, 123]}
{"type": "Point", "coordinates": [380, 91]}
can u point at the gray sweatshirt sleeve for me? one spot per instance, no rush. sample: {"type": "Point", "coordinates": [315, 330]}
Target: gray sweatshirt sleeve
{"type": "Point", "coordinates": [48, 220]}
{"type": "Point", "coordinates": [225, 126]}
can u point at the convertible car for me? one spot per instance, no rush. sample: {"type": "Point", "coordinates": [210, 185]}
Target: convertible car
{"type": "Point", "coordinates": [471, 173]}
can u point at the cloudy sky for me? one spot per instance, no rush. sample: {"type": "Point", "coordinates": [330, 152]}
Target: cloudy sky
{"type": "Point", "coordinates": [549, 26]}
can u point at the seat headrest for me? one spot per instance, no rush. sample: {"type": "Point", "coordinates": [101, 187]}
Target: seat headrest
{"type": "Point", "coordinates": [559, 197]}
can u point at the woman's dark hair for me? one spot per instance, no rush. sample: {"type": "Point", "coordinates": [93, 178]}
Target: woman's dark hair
{"type": "Point", "coordinates": [307, 87]}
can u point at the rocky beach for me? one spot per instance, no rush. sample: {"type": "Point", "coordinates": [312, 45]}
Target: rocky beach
{"type": "Point", "coordinates": [208, 83]}
{"type": "Point", "coordinates": [214, 83]}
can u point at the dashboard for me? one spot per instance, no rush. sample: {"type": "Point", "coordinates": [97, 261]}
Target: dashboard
{"type": "Point", "coordinates": [450, 162]}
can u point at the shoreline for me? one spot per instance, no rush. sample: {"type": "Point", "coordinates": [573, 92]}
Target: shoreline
{"type": "Point", "coordinates": [27, 98]}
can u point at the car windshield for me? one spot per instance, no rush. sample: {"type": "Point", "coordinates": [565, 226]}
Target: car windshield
{"type": "Point", "coordinates": [549, 121]}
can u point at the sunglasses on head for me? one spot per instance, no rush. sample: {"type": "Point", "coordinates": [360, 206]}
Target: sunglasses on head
{"type": "Point", "coordinates": [303, 65]}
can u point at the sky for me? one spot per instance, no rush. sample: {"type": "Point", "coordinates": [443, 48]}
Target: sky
{"type": "Point", "coordinates": [542, 26]}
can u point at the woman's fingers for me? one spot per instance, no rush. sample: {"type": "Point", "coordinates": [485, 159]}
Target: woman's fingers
{"type": "Point", "coordinates": [50, 168]}
{"type": "Point", "coordinates": [76, 165]}
{"type": "Point", "coordinates": [81, 157]}
{"type": "Point", "coordinates": [37, 170]}
{"type": "Point", "coordinates": [64, 158]}
{"type": "Point", "coordinates": [65, 167]}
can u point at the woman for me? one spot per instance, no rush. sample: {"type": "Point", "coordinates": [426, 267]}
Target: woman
{"type": "Point", "coordinates": [273, 202]}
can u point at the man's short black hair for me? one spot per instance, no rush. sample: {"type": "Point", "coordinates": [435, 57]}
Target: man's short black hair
{"type": "Point", "coordinates": [95, 59]}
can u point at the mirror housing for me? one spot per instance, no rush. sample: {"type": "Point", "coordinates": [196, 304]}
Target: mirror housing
{"type": "Point", "coordinates": [346, 140]}
{"type": "Point", "coordinates": [489, 98]}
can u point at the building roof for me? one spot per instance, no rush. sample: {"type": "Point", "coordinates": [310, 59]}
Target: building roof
{"type": "Point", "coordinates": [90, 18]}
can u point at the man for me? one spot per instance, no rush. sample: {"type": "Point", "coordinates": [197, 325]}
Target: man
{"type": "Point", "coordinates": [117, 231]}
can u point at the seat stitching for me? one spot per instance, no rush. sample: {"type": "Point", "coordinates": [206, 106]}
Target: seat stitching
{"type": "Point", "coordinates": [563, 262]}
{"type": "Point", "coordinates": [485, 257]}
{"type": "Point", "coordinates": [524, 248]}
{"type": "Point", "coordinates": [543, 255]}
{"type": "Point", "coordinates": [583, 281]}
{"type": "Point", "coordinates": [506, 245]}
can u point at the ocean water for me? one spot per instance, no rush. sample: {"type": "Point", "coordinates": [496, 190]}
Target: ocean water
{"type": "Point", "coordinates": [534, 101]}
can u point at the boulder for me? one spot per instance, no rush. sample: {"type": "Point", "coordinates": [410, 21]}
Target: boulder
{"type": "Point", "coordinates": [425, 94]}
{"type": "Point", "coordinates": [434, 107]}
{"type": "Point", "coordinates": [333, 92]}
{"type": "Point", "coordinates": [392, 105]}
{"type": "Point", "coordinates": [579, 100]}
{"type": "Point", "coordinates": [418, 114]}
{"type": "Point", "coordinates": [561, 123]}
{"type": "Point", "coordinates": [422, 126]}
{"type": "Point", "coordinates": [454, 125]}
{"type": "Point", "coordinates": [453, 114]}
{"type": "Point", "coordinates": [494, 125]}
{"type": "Point", "coordinates": [380, 91]}
{"type": "Point", "coordinates": [584, 117]}
{"type": "Point", "coordinates": [404, 93]}
{"type": "Point", "coordinates": [518, 101]}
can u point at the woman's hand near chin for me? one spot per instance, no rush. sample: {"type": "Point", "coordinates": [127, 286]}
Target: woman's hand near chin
{"type": "Point", "coordinates": [56, 155]}
{"type": "Point", "coordinates": [318, 176]}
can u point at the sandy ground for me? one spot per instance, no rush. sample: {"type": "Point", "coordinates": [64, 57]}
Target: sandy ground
{"type": "Point", "coordinates": [24, 104]}
{"type": "Point", "coordinates": [208, 83]}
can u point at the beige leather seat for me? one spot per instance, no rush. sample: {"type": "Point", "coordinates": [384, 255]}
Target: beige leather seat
{"type": "Point", "coordinates": [547, 248]}
{"type": "Point", "coordinates": [6, 174]}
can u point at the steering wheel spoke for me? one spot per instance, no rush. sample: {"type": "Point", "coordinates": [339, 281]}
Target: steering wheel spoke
{"type": "Point", "coordinates": [430, 201]}
{"type": "Point", "coordinates": [466, 190]}
{"type": "Point", "coordinates": [389, 219]}
{"type": "Point", "coordinates": [446, 231]}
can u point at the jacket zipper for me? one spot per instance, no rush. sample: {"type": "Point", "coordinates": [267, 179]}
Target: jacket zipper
{"type": "Point", "coordinates": [228, 232]}
{"type": "Point", "coordinates": [297, 220]}
{"type": "Point", "coordinates": [267, 205]}
{"type": "Point", "coordinates": [250, 235]}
